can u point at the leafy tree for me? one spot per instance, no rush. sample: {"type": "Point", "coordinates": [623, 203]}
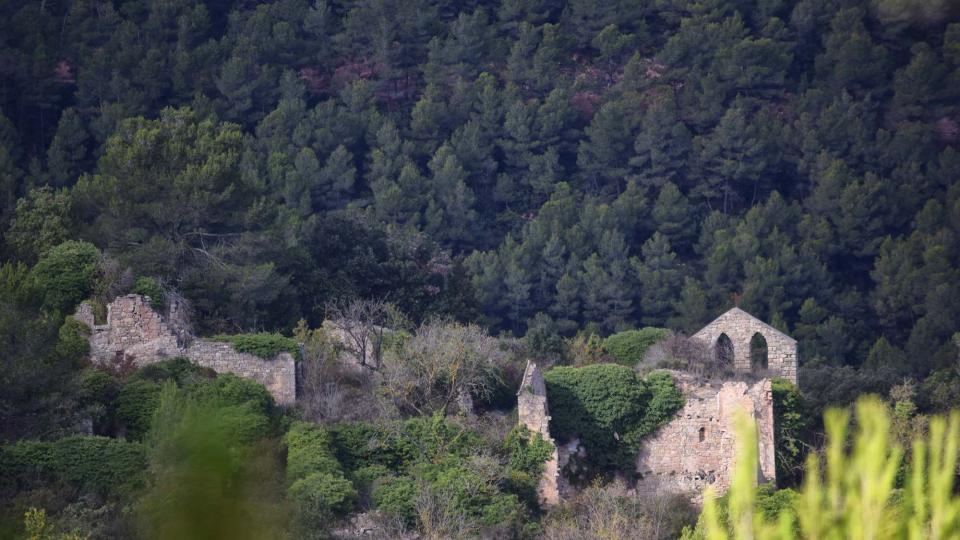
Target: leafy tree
{"type": "Point", "coordinates": [65, 275]}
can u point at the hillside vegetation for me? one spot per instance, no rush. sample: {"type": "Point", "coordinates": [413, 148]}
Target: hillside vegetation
{"type": "Point", "coordinates": [570, 181]}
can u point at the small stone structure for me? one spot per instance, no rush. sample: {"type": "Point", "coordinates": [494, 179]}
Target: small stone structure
{"type": "Point", "coordinates": [535, 415]}
{"type": "Point", "coordinates": [697, 448]}
{"type": "Point", "coordinates": [740, 327]}
{"type": "Point", "coordinates": [135, 332]}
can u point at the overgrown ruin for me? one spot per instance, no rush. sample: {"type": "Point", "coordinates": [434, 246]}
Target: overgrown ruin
{"type": "Point", "coordinates": [697, 448]}
{"type": "Point", "coordinates": [136, 333]}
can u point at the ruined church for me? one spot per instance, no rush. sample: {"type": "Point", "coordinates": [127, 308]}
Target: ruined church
{"type": "Point", "coordinates": [697, 448]}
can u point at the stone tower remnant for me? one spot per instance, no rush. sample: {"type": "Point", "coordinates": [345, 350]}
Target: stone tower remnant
{"type": "Point", "coordinates": [736, 329]}
{"type": "Point", "coordinates": [535, 415]}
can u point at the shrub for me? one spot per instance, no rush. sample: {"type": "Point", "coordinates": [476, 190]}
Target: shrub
{"type": "Point", "coordinates": [629, 347]}
{"type": "Point", "coordinates": [147, 286]}
{"type": "Point", "coordinates": [181, 370]}
{"type": "Point", "coordinates": [468, 491]}
{"type": "Point", "coordinates": [358, 445]}
{"type": "Point", "coordinates": [73, 343]}
{"type": "Point", "coordinates": [321, 496]}
{"type": "Point", "coordinates": [308, 452]}
{"type": "Point", "coordinates": [136, 402]}
{"type": "Point", "coordinates": [397, 497]}
{"type": "Point", "coordinates": [263, 344]}
{"type": "Point", "coordinates": [609, 408]}
{"type": "Point", "coordinates": [207, 481]}
{"type": "Point", "coordinates": [791, 421]}
{"type": "Point", "coordinates": [96, 465]}
{"type": "Point", "coordinates": [97, 387]}
{"type": "Point", "coordinates": [527, 451]}
{"type": "Point", "coordinates": [364, 477]}
{"type": "Point", "coordinates": [64, 276]}
{"type": "Point", "coordinates": [230, 389]}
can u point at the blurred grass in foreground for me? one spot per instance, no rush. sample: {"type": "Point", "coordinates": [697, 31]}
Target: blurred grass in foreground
{"type": "Point", "coordinates": [850, 491]}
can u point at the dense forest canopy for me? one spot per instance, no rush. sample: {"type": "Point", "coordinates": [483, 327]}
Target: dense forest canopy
{"type": "Point", "coordinates": [568, 165]}
{"type": "Point", "coordinates": [560, 171]}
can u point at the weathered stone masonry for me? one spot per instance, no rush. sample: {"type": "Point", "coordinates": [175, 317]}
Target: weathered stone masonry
{"type": "Point", "coordinates": [698, 447]}
{"type": "Point", "coordinates": [135, 331]}
{"type": "Point", "coordinates": [740, 327]}
{"type": "Point", "coordinates": [533, 413]}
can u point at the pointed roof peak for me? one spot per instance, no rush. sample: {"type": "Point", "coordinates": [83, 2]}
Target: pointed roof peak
{"type": "Point", "coordinates": [738, 313]}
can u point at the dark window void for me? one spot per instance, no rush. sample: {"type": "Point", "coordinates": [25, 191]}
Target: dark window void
{"type": "Point", "coordinates": [724, 352]}
{"type": "Point", "coordinates": [758, 353]}
{"type": "Point", "coordinates": [703, 434]}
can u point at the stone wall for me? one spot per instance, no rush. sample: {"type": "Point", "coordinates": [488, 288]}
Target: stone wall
{"type": "Point", "coordinates": [533, 413]}
{"type": "Point", "coordinates": [694, 450]}
{"type": "Point", "coordinates": [697, 448]}
{"type": "Point", "coordinates": [136, 333]}
{"type": "Point", "coordinates": [740, 327]}
{"type": "Point", "coordinates": [277, 374]}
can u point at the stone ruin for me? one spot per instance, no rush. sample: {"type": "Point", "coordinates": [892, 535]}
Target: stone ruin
{"type": "Point", "coordinates": [534, 415]}
{"type": "Point", "coordinates": [136, 333]}
{"type": "Point", "coordinates": [696, 449]}
{"type": "Point", "coordinates": [736, 329]}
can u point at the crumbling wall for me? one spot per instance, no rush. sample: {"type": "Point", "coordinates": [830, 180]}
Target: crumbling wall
{"type": "Point", "coordinates": [277, 374]}
{"type": "Point", "coordinates": [136, 333]}
{"type": "Point", "coordinates": [533, 413]}
{"type": "Point", "coordinates": [697, 448]}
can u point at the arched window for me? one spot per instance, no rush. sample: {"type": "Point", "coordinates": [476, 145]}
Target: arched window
{"type": "Point", "coordinates": [758, 353]}
{"type": "Point", "coordinates": [723, 352]}
{"type": "Point", "coordinates": [703, 434]}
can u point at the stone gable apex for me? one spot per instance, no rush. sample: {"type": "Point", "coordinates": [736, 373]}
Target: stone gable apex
{"type": "Point", "coordinates": [738, 313]}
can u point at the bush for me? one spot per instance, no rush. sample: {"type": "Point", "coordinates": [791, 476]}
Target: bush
{"type": "Point", "coordinates": [180, 370]}
{"type": "Point", "coordinates": [629, 347]}
{"type": "Point", "coordinates": [308, 452]}
{"type": "Point", "coordinates": [527, 450]}
{"type": "Point", "coordinates": [96, 465]}
{"type": "Point", "coordinates": [136, 402]}
{"type": "Point", "coordinates": [230, 389]}
{"type": "Point", "coordinates": [64, 276]}
{"type": "Point", "coordinates": [263, 344]}
{"type": "Point", "coordinates": [358, 445]}
{"type": "Point", "coordinates": [73, 342]}
{"type": "Point", "coordinates": [609, 408]}
{"type": "Point", "coordinates": [147, 286]}
{"type": "Point", "coordinates": [790, 421]}
{"type": "Point", "coordinates": [397, 497]}
{"type": "Point", "coordinates": [320, 496]}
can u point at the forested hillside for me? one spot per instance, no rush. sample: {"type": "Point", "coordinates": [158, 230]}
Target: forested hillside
{"type": "Point", "coordinates": [548, 168]}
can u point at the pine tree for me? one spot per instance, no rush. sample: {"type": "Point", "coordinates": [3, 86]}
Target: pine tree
{"type": "Point", "coordinates": [662, 146]}
{"type": "Point", "coordinates": [68, 154]}
{"type": "Point", "coordinates": [335, 180]}
{"type": "Point", "coordinates": [673, 216]}
{"type": "Point", "coordinates": [660, 276]}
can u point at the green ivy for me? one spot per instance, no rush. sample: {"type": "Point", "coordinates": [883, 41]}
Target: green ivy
{"type": "Point", "coordinates": [97, 465]}
{"type": "Point", "coordinates": [527, 451]}
{"type": "Point", "coordinates": [264, 344]}
{"type": "Point", "coordinates": [610, 409]}
{"type": "Point", "coordinates": [790, 421]}
{"type": "Point", "coordinates": [629, 347]}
